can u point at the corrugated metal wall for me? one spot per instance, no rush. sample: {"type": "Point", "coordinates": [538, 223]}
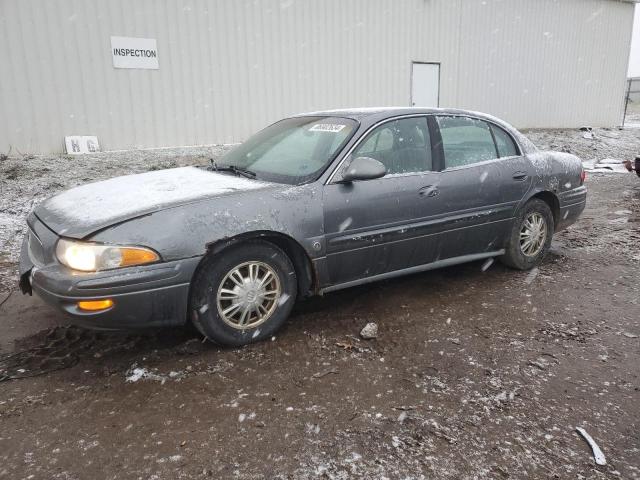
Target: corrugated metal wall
{"type": "Point", "coordinates": [228, 67]}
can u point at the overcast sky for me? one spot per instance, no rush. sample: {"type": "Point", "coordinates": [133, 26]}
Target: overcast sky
{"type": "Point", "coordinates": [634, 61]}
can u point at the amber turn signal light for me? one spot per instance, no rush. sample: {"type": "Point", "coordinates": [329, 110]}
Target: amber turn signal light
{"type": "Point", "coordinates": [95, 305]}
{"type": "Point", "coordinates": [136, 256]}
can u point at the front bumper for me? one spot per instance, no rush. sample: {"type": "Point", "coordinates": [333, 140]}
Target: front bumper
{"type": "Point", "coordinates": [159, 307]}
{"type": "Point", "coordinates": [146, 296]}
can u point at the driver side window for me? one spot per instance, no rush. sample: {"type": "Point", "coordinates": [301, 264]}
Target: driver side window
{"type": "Point", "coordinates": [402, 146]}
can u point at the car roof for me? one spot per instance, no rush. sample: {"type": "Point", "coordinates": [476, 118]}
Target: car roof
{"type": "Point", "coordinates": [384, 112]}
{"type": "Point", "coordinates": [371, 115]}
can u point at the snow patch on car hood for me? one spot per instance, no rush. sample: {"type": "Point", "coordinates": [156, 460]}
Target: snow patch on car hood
{"type": "Point", "coordinates": [85, 209]}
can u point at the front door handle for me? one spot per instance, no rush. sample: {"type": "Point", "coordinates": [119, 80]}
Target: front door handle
{"type": "Point", "coordinates": [429, 191]}
{"type": "Point", "coordinates": [520, 176]}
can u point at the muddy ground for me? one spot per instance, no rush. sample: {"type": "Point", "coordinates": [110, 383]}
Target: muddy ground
{"type": "Point", "coordinates": [474, 374]}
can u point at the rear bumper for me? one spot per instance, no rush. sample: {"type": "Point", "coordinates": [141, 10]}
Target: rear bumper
{"type": "Point", "coordinates": [148, 296]}
{"type": "Point", "coordinates": [572, 204]}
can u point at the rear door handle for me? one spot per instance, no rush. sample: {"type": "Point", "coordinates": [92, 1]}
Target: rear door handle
{"type": "Point", "coordinates": [429, 191]}
{"type": "Point", "coordinates": [520, 176]}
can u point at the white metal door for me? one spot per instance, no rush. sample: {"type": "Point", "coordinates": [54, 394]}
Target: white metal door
{"type": "Point", "coordinates": [425, 84]}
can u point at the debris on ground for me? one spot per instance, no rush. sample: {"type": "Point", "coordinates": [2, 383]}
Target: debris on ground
{"type": "Point", "coordinates": [488, 262]}
{"type": "Point", "coordinates": [606, 165]}
{"type": "Point", "coordinates": [369, 331]}
{"type": "Point", "coordinates": [597, 453]}
{"type": "Point", "coordinates": [531, 276]}
{"type": "Point", "coordinates": [325, 373]}
{"type": "Point", "coordinates": [588, 133]}
{"type": "Point", "coordinates": [135, 374]}
{"type": "Point", "coordinates": [346, 345]}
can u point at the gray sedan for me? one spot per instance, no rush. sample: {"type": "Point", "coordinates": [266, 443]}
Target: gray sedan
{"type": "Point", "coordinates": [311, 204]}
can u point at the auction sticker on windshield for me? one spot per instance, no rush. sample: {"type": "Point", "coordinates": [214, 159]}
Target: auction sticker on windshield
{"type": "Point", "coordinates": [326, 127]}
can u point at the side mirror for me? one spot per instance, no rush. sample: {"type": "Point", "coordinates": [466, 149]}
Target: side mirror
{"type": "Point", "coordinates": [363, 168]}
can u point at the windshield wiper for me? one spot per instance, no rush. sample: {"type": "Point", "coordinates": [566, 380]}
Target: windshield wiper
{"type": "Point", "coordinates": [233, 169]}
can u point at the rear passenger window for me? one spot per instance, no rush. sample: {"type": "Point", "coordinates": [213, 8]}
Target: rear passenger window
{"type": "Point", "coordinates": [466, 141]}
{"type": "Point", "coordinates": [403, 146]}
{"type": "Point", "coordinates": [504, 142]}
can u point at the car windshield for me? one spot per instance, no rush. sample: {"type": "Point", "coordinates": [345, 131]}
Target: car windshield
{"type": "Point", "coordinates": [293, 151]}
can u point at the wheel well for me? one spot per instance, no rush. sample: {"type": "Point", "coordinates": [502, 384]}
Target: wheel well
{"type": "Point", "coordinates": [301, 261]}
{"type": "Point", "coordinates": [553, 202]}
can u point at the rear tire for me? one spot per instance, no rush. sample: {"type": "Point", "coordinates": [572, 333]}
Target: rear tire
{"type": "Point", "coordinates": [243, 294]}
{"type": "Point", "coordinates": [530, 237]}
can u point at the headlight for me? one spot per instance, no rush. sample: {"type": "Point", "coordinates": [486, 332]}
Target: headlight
{"type": "Point", "coordinates": [92, 257]}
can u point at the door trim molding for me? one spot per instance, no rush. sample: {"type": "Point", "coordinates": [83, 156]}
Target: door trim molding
{"type": "Point", "coordinates": [420, 268]}
{"type": "Point", "coordinates": [442, 220]}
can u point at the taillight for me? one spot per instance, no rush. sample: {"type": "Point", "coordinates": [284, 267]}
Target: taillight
{"type": "Point", "coordinates": [583, 176]}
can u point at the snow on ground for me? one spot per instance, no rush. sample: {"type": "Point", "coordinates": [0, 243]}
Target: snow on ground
{"type": "Point", "coordinates": [611, 144]}
{"type": "Point", "coordinates": [632, 119]}
{"type": "Point", "coordinates": [25, 181]}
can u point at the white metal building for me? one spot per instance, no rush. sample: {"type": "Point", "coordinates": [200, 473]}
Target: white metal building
{"type": "Point", "coordinates": [225, 68]}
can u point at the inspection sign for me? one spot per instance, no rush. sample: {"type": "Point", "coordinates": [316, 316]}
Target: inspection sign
{"type": "Point", "coordinates": [130, 52]}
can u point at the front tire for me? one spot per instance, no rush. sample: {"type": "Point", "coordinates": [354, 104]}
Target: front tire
{"type": "Point", "coordinates": [530, 237]}
{"type": "Point", "coordinates": [243, 294]}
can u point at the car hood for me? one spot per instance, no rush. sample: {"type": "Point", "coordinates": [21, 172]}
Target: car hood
{"type": "Point", "coordinates": [83, 210]}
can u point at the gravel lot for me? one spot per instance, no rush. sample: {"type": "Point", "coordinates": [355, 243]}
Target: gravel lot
{"type": "Point", "coordinates": [474, 374]}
